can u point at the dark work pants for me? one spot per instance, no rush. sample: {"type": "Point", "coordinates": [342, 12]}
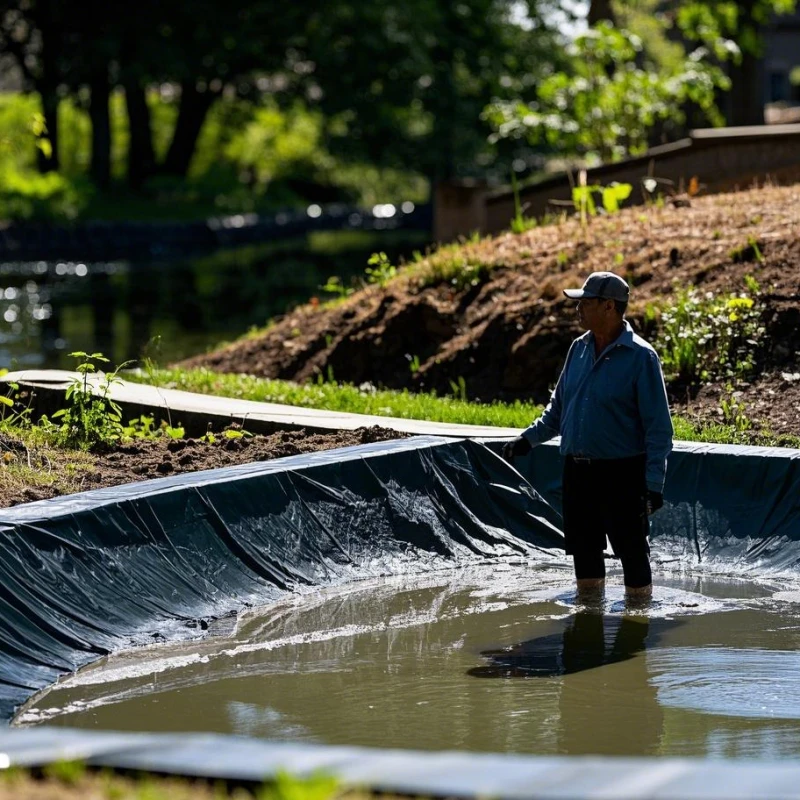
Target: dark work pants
{"type": "Point", "coordinates": [607, 498]}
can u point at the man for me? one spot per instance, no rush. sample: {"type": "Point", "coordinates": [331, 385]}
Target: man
{"type": "Point", "coordinates": [610, 408]}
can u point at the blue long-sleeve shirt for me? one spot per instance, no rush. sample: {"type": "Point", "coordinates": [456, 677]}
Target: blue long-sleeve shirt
{"type": "Point", "coordinates": [612, 406]}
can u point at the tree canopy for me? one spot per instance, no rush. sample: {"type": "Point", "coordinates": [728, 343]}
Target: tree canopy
{"type": "Point", "coordinates": [397, 85]}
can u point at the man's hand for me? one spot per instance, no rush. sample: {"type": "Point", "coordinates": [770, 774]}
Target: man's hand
{"type": "Point", "coordinates": [516, 447]}
{"type": "Point", "coordinates": [654, 501]}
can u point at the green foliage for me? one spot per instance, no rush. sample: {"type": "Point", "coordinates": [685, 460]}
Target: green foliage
{"type": "Point", "coordinates": [611, 195]}
{"type": "Point", "coordinates": [20, 122]}
{"type": "Point", "coordinates": [14, 413]}
{"type": "Point", "coordinates": [747, 252]}
{"type": "Point", "coordinates": [286, 787]}
{"type": "Point", "coordinates": [277, 143]}
{"type": "Point", "coordinates": [704, 337]}
{"type": "Point", "coordinates": [247, 158]}
{"type": "Point", "coordinates": [584, 202]}
{"type": "Point", "coordinates": [605, 105]}
{"type": "Point", "coordinates": [614, 194]}
{"type": "Point", "coordinates": [335, 287]}
{"type": "Point", "coordinates": [145, 428]}
{"type": "Point", "coordinates": [734, 411]}
{"type": "Point", "coordinates": [69, 772]}
{"type": "Point", "coordinates": [453, 264]}
{"type": "Point", "coordinates": [459, 389]}
{"type": "Point", "coordinates": [28, 195]}
{"type": "Point", "coordinates": [380, 269]}
{"type": "Point", "coordinates": [726, 27]}
{"type": "Point", "coordinates": [89, 420]}
{"type": "Point", "coordinates": [39, 130]}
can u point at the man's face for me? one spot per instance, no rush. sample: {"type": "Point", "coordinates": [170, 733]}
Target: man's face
{"type": "Point", "coordinates": [592, 312]}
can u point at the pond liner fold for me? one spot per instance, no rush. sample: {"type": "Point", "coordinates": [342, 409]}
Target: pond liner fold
{"type": "Point", "coordinates": [85, 575]}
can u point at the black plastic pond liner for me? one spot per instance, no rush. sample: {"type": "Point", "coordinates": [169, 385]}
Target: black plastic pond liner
{"type": "Point", "coordinates": [727, 507]}
{"type": "Point", "coordinates": [84, 575]}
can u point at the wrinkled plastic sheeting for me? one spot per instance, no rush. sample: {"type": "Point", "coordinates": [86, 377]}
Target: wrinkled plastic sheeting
{"type": "Point", "coordinates": [407, 772]}
{"type": "Point", "coordinates": [726, 506]}
{"type": "Point", "coordinates": [83, 575]}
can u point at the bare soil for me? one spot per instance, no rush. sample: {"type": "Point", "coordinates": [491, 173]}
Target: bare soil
{"type": "Point", "coordinates": [53, 473]}
{"type": "Point", "coordinates": [507, 335]}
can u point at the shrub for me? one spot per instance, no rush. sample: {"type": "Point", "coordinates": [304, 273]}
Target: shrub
{"type": "Point", "coordinates": [702, 336]}
{"type": "Point", "coordinates": [29, 195]}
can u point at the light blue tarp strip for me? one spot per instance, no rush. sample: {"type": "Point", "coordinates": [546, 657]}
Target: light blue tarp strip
{"type": "Point", "coordinates": [427, 774]}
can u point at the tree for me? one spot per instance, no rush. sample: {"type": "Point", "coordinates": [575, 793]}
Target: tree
{"type": "Point", "coordinates": [620, 89]}
{"type": "Point", "coordinates": [37, 36]}
{"type": "Point", "coordinates": [734, 29]}
{"type": "Point", "coordinates": [406, 82]}
{"type": "Point", "coordinates": [605, 105]}
{"type": "Point", "coordinates": [401, 84]}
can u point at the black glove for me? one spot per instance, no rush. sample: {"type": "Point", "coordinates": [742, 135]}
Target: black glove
{"type": "Point", "coordinates": [654, 501]}
{"type": "Point", "coordinates": [516, 447]}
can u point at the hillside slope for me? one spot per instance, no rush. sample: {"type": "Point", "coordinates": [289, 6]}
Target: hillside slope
{"type": "Point", "coordinates": [492, 311]}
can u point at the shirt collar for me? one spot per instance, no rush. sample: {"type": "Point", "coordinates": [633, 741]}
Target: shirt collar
{"type": "Point", "coordinates": [625, 338]}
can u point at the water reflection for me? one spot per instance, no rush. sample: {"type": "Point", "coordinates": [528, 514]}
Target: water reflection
{"type": "Point", "coordinates": [624, 715]}
{"type": "Point", "coordinates": [48, 309]}
{"type": "Point", "coordinates": [393, 663]}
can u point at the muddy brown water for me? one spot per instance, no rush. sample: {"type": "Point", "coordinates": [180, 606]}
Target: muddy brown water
{"type": "Point", "coordinates": [494, 658]}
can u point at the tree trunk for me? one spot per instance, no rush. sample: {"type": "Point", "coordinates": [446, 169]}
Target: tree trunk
{"type": "Point", "coordinates": [100, 89]}
{"type": "Point", "coordinates": [194, 107]}
{"type": "Point", "coordinates": [141, 158]}
{"type": "Point", "coordinates": [746, 98]}
{"type": "Point", "coordinates": [46, 84]}
{"type": "Point", "coordinates": [48, 162]}
{"type": "Point", "coordinates": [600, 10]}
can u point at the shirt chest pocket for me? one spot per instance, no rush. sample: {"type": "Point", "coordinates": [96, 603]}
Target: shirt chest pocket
{"type": "Point", "coordinates": [614, 381]}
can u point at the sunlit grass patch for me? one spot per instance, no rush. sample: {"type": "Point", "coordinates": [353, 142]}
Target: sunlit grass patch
{"type": "Point", "coordinates": [403, 404]}
{"type": "Point", "coordinates": [30, 459]}
{"type": "Point", "coordinates": [363, 399]}
{"type": "Point", "coordinates": [72, 780]}
{"type": "Point", "coordinates": [460, 265]}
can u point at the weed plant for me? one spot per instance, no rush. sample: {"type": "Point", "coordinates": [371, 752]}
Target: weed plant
{"type": "Point", "coordinates": [703, 337]}
{"type": "Point", "coordinates": [520, 223]}
{"type": "Point", "coordinates": [89, 420]}
{"type": "Point", "coordinates": [380, 270]}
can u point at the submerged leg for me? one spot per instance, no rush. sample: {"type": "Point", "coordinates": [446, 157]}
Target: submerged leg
{"type": "Point", "coordinates": [590, 576]}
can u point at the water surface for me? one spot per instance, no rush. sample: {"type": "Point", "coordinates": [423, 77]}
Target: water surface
{"type": "Point", "coordinates": [490, 659]}
{"type": "Point", "coordinates": [171, 309]}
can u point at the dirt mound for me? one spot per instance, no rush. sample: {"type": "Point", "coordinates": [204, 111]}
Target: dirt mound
{"type": "Point", "coordinates": [492, 311]}
{"type": "Point", "coordinates": [158, 458]}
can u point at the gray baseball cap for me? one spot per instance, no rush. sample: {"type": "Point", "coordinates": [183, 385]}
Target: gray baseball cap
{"type": "Point", "coordinates": [601, 284]}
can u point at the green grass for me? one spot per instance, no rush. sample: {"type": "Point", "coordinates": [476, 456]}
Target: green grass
{"type": "Point", "coordinates": [455, 264]}
{"type": "Point", "coordinates": [424, 406]}
{"type": "Point", "coordinates": [364, 399]}
{"type": "Point", "coordinates": [73, 780]}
